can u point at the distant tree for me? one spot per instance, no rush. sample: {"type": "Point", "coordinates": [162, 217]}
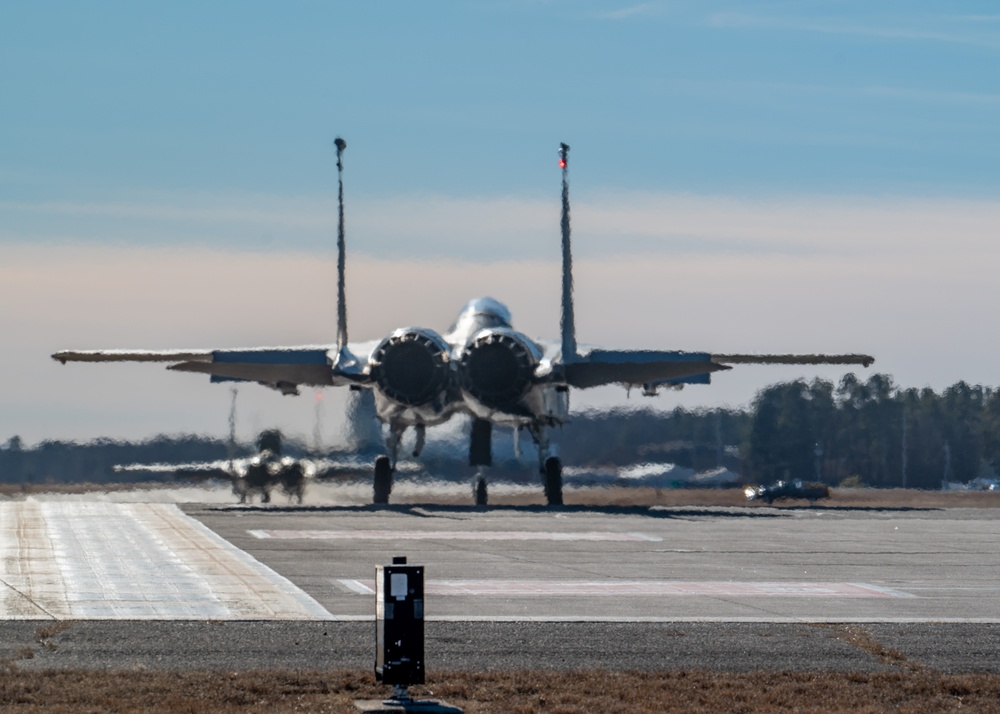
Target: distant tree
{"type": "Point", "coordinates": [12, 460]}
{"type": "Point", "coordinates": [783, 432]}
{"type": "Point", "coordinates": [991, 430]}
{"type": "Point", "coordinates": [962, 407]}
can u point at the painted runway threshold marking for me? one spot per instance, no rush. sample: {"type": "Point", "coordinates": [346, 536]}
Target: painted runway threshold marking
{"type": "Point", "coordinates": [453, 535]}
{"type": "Point", "coordinates": [92, 560]}
{"type": "Point", "coordinates": [638, 588]}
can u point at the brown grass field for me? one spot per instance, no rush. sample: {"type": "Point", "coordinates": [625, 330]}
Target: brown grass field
{"type": "Point", "coordinates": [642, 496]}
{"type": "Point", "coordinates": [911, 689]}
{"type": "Point", "coordinates": [501, 692]}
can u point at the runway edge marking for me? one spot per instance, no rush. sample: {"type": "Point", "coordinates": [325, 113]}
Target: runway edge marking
{"type": "Point", "coordinates": [312, 609]}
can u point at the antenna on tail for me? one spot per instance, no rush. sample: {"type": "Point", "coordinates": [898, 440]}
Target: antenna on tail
{"type": "Point", "coordinates": [341, 250]}
{"type": "Point", "coordinates": [567, 322]}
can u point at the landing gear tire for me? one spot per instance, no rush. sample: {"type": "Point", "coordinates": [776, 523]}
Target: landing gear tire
{"type": "Point", "coordinates": [480, 491]}
{"type": "Point", "coordinates": [553, 481]}
{"type": "Point", "coordinates": [382, 486]}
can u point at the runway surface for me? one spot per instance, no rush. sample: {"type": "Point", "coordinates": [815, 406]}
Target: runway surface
{"type": "Point", "coordinates": [219, 586]}
{"type": "Point", "coordinates": [638, 564]}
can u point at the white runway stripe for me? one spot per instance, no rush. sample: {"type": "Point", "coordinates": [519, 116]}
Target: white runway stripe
{"type": "Point", "coordinates": [638, 588]}
{"type": "Point", "coordinates": [453, 535]}
{"type": "Point", "coordinates": [93, 560]}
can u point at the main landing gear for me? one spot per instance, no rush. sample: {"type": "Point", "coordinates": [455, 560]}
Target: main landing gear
{"type": "Point", "coordinates": [550, 467]}
{"type": "Point", "coordinates": [383, 480]}
{"type": "Point", "coordinates": [552, 480]}
{"type": "Point", "coordinates": [479, 491]}
{"type": "Point", "coordinates": [385, 466]}
{"type": "Point", "coordinates": [480, 458]}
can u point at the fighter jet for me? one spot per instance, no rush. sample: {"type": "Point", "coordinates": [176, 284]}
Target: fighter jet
{"type": "Point", "coordinates": [268, 469]}
{"type": "Point", "coordinates": [482, 367]}
{"type": "Point", "coordinates": [258, 475]}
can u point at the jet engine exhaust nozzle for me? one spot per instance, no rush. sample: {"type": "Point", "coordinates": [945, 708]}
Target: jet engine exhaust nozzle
{"type": "Point", "coordinates": [497, 369]}
{"type": "Point", "coordinates": [410, 366]}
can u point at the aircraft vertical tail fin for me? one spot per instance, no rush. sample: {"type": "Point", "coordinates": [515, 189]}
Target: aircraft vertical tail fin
{"type": "Point", "coordinates": [341, 250]}
{"type": "Point", "coordinates": [567, 322]}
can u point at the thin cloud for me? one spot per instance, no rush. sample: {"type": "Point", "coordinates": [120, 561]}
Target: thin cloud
{"type": "Point", "coordinates": [740, 20]}
{"type": "Point", "coordinates": [794, 89]}
{"type": "Point", "coordinates": [246, 210]}
{"type": "Point", "coordinates": [494, 229]}
{"type": "Point", "coordinates": [641, 10]}
{"type": "Point", "coordinates": [934, 96]}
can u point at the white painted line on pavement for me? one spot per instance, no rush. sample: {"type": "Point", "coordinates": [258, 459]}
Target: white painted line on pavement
{"type": "Point", "coordinates": [639, 588]}
{"type": "Point", "coordinates": [357, 587]}
{"type": "Point", "coordinates": [453, 535]}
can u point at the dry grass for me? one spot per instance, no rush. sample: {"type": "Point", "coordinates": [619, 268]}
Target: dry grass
{"type": "Point", "coordinates": [867, 498]}
{"type": "Point", "coordinates": [11, 490]}
{"type": "Point", "coordinates": [507, 692]}
{"type": "Point", "coordinates": [843, 498]}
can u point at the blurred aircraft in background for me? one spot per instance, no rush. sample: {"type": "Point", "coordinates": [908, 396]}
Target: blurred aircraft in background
{"type": "Point", "coordinates": [260, 474]}
{"type": "Point", "coordinates": [268, 469]}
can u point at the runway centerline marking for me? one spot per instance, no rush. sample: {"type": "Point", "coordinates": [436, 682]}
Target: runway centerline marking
{"type": "Point", "coordinates": [639, 588]}
{"type": "Point", "coordinates": [453, 535]}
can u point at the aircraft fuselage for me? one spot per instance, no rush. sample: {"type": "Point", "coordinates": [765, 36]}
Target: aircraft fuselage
{"type": "Point", "coordinates": [482, 367]}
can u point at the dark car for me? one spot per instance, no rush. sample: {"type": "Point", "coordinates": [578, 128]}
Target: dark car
{"type": "Point", "coordinates": [778, 490]}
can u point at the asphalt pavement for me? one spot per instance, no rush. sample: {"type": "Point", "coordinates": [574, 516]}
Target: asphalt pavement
{"type": "Point", "coordinates": [729, 589]}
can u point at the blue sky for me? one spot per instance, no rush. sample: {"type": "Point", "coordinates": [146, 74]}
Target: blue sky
{"type": "Point", "coordinates": [843, 154]}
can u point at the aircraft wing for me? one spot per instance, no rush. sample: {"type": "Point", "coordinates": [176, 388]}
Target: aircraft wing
{"type": "Point", "coordinates": [210, 469]}
{"type": "Point", "coordinates": [860, 360]}
{"type": "Point", "coordinates": [281, 368]}
{"type": "Point", "coordinates": [327, 470]}
{"type": "Point", "coordinates": [634, 367]}
{"type": "Point", "coordinates": [652, 368]}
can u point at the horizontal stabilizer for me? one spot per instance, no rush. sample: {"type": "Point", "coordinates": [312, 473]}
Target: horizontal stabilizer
{"type": "Point", "coordinates": [284, 368]}
{"type": "Point", "coordinates": [313, 375]}
{"type": "Point", "coordinates": [132, 356]}
{"type": "Point", "coordinates": [861, 360]}
{"type": "Point", "coordinates": [703, 378]}
{"type": "Point", "coordinates": [636, 367]}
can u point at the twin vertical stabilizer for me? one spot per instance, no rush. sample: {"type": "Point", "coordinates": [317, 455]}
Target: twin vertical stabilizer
{"type": "Point", "coordinates": [567, 321]}
{"type": "Point", "coordinates": [341, 251]}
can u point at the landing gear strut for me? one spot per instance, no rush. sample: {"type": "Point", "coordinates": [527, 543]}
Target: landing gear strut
{"type": "Point", "coordinates": [549, 466]}
{"type": "Point", "coordinates": [553, 481]}
{"type": "Point", "coordinates": [383, 480]}
{"type": "Point", "coordinates": [480, 491]}
{"type": "Point", "coordinates": [386, 465]}
{"type": "Point", "coordinates": [481, 456]}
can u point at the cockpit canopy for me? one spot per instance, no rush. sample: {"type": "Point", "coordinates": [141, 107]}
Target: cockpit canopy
{"type": "Point", "coordinates": [482, 313]}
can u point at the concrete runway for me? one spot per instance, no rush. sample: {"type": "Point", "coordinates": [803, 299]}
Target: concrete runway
{"type": "Point", "coordinates": [719, 588]}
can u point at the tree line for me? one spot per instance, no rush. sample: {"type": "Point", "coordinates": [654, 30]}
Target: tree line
{"type": "Point", "coordinates": [869, 432]}
{"type": "Point", "coordinates": [872, 430]}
